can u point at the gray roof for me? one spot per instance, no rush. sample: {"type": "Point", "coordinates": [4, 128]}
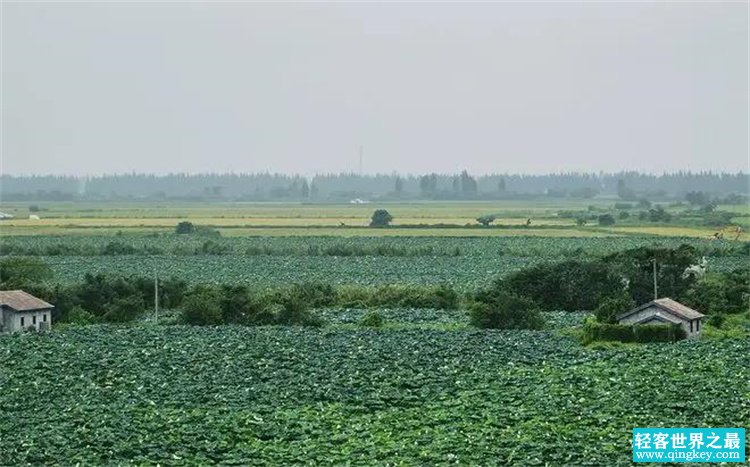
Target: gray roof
{"type": "Point", "coordinates": [668, 305]}
{"type": "Point", "coordinates": [19, 300]}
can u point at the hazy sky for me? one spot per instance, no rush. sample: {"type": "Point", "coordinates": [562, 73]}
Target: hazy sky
{"type": "Point", "coordinates": [506, 87]}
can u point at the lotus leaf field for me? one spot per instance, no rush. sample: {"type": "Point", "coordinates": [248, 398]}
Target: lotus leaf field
{"type": "Point", "coordinates": [465, 262]}
{"type": "Point", "coordinates": [177, 395]}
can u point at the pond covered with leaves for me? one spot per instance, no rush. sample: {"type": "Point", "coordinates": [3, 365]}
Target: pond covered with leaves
{"type": "Point", "coordinates": [273, 395]}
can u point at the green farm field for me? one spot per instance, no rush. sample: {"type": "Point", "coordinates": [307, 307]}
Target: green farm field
{"type": "Point", "coordinates": [176, 395]}
{"type": "Point", "coordinates": [464, 262]}
{"type": "Point", "coordinates": [455, 219]}
{"type": "Point", "coordinates": [425, 388]}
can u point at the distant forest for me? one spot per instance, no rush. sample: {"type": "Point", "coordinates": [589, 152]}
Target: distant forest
{"type": "Point", "coordinates": [346, 187]}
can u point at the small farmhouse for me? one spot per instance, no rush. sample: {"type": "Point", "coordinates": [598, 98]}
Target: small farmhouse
{"type": "Point", "coordinates": [664, 311]}
{"type": "Point", "coordinates": [20, 310]}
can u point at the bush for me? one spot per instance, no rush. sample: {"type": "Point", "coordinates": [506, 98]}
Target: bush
{"type": "Point", "coordinates": [624, 215]}
{"type": "Point", "coordinates": [380, 218]}
{"type": "Point", "coordinates": [202, 309]}
{"type": "Point", "coordinates": [659, 215]}
{"type": "Point", "coordinates": [594, 332]}
{"type": "Point", "coordinates": [500, 310]}
{"type": "Point", "coordinates": [78, 315]}
{"type": "Point", "coordinates": [313, 294]}
{"type": "Point", "coordinates": [622, 206]}
{"type": "Point", "coordinates": [607, 332]}
{"type": "Point", "coordinates": [118, 248]}
{"type": "Point", "coordinates": [372, 319]}
{"type": "Point", "coordinates": [295, 312]}
{"type": "Point", "coordinates": [658, 333]}
{"type": "Point", "coordinates": [441, 297]}
{"type": "Point", "coordinates": [606, 219]}
{"type": "Point", "coordinates": [185, 227]}
{"type": "Point", "coordinates": [716, 320]}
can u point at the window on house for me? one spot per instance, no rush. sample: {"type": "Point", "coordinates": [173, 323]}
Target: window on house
{"type": "Point", "coordinates": [698, 325]}
{"type": "Point", "coordinates": [44, 317]}
{"type": "Point", "coordinates": [33, 319]}
{"type": "Point", "coordinates": [22, 320]}
{"type": "Point", "coordinates": [691, 326]}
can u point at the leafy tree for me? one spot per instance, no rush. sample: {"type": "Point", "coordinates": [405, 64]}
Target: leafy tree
{"type": "Point", "coordinates": [568, 285]}
{"type": "Point", "coordinates": [381, 218]}
{"type": "Point", "coordinates": [399, 185]}
{"type": "Point", "coordinates": [643, 203]}
{"type": "Point", "coordinates": [304, 190]}
{"type": "Point", "coordinates": [185, 227]}
{"type": "Point", "coordinates": [456, 184]}
{"type": "Point", "coordinates": [23, 273]}
{"type": "Point", "coordinates": [609, 308]}
{"type": "Point", "coordinates": [486, 220]}
{"type": "Point", "coordinates": [721, 292]}
{"type": "Point", "coordinates": [698, 198]}
{"type": "Point", "coordinates": [501, 185]}
{"type": "Point", "coordinates": [635, 266]}
{"type": "Point", "coordinates": [581, 221]}
{"type": "Point", "coordinates": [497, 309]}
{"type": "Point", "coordinates": [606, 219]}
{"type": "Point", "coordinates": [624, 214]}
{"type": "Point", "coordinates": [428, 184]}
{"type": "Point", "coordinates": [624, 192]}
{"type": "Point", "coordinates": [659, 215]}
{"type": "Point", "coordinates": [468, 183]}
{"type": "Point", "coordinates": [124, 309]}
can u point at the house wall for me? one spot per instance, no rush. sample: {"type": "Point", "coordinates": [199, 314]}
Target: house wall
{"type": "Point", "coordinates": [656, 311]}
{"type": "Point", "coordinates": [12, 319]}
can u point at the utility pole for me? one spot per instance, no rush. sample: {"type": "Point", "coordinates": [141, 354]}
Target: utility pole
{"type": "Point", "coordinates": [656, 290]}
{"type": "Point", "coordinates": [156, 297]}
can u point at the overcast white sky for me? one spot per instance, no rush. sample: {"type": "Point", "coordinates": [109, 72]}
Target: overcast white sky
{"type": "Point", "coordinates": [507, 87]}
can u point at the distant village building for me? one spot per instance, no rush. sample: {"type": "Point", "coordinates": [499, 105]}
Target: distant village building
{"type": "Point", "coordinates": [20, 310]}
{"type": "Point", "coordinates": [4, 216]}
{"type": "Point", "coordinates": [664, 311]}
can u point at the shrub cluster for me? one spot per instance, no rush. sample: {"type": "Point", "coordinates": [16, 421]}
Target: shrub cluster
{"type": "Point", "coordinates": [593, 332]}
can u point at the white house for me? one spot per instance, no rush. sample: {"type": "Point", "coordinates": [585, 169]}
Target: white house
{"type": "Point", "coordinates": [665, 311]}
{"type": "Point", "coordinates": [20, 310]}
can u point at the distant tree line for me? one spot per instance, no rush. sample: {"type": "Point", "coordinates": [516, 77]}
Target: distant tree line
{"type": "Point", "coordinates": [629, 186]}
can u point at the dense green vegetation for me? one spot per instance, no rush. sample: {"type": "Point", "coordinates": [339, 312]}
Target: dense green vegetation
{"type": "Point", "coordinates": [465, 263]}
{"type": "Point", "coordinates": [605, 284]}
{"type": "Point", "coordinates": [328, 349]}
{"type": "Point", "coordinates": [175, 395]}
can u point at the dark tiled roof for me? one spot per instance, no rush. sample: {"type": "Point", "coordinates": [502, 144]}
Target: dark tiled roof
{"type": "Point", "coordinates": [668, 305]}
{"type": "Point", "coordinates": [21, 301]}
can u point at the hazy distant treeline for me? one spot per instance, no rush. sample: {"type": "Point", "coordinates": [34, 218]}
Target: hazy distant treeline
{"type": "Point", "coordinates": [264, 186]}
